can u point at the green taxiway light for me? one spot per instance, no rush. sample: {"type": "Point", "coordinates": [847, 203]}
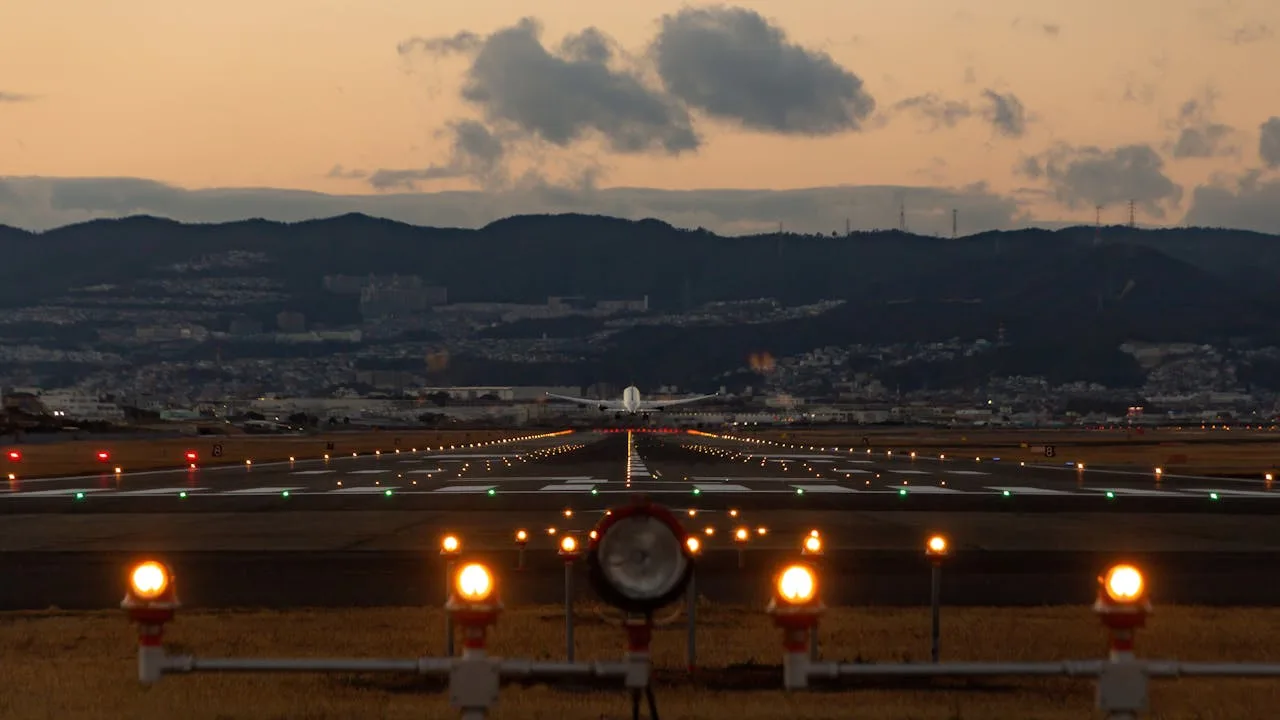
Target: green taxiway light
{"type": "Point", "coordinates": [697, 491]}
{"type": "Point", "coordinates": [1006, 493]}
{"type": "Point", "coordinates": [595, 491]}
{"type": "Point", "coordinates": [79, 496]}
{"type": "Point", "coordinates": [902, 492]}
{"type": "Point", "coordinates": [799, 491]}
{"type": "Point", "coordinates": [284, 494]}
{"type": "Point", "coordinates": [387, 492]}
{"type": "Point", "coordinates": [1111, 495]}
{"type": "Point", "coordinates": [492, 491]}
{"type": "Point", "coordinates": [182, 494]}
{"type": "Point", "coordinates": [1213, 496]}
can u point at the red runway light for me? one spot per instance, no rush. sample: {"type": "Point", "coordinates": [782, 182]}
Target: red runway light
{"type": "Point", "coordinates": [15, 456]}
{"type": "Point", "coordinates": [103, 455]}
{"type": "Point", "coordinates": [191, 456]}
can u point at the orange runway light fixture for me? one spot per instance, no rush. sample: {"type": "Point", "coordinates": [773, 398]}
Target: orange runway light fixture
{"type": "Point", "coordinates": [450, 545]}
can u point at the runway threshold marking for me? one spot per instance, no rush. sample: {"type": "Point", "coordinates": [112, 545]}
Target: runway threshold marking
{"type": "Point", "coordinates": [721, 487]}
{"type": "Point", "coordinates": [465, 489]}
{"type": "Point", "coordinates": [578, 487]}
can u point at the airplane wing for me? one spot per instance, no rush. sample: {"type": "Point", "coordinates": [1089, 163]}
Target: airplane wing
{"type": "Point", "coordinates": [607, 404]}
{"type": "Point", "coordinates": [660, 404]}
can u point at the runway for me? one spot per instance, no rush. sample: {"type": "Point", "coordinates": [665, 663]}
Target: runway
{"type": "Point", "coordinates": [365, 530]}
{"type": "Point", "coordinates": [597, 470]}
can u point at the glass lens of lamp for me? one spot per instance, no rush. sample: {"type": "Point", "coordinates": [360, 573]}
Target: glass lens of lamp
{"type": "Point", "coordinates": [642, 557]}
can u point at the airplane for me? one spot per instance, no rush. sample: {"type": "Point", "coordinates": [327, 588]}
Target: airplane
{"type": "Point", "coordinates": [631, 402]}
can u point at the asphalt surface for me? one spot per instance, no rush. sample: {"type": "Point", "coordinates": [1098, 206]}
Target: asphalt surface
{"type": "Point", "coordinates": [338, 539]}
{"type": "Point", "coordinates": [599, 470]}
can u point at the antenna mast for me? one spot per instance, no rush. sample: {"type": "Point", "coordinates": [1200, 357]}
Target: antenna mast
{"type": "Point", "coordinates": [955, 222]}
{"type": "Point", "coordinates": [902, 216]}
{"type": "Point", "coordinates": [1097, 224]}
{"type": "Point", "coordinates": [1132, 217]}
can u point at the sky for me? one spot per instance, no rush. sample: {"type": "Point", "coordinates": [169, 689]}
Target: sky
{"type": "Point", "coordinates": [735, 117]}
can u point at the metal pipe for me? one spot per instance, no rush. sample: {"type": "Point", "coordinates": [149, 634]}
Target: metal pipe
{"type": "Point", "coordinates": [691, 620]}
{"type": "Point", "coordinates": [422, 666]}
{"type": "Point", "coordinates": [568, 610]}
{"type": "Point", "coordinates": [1195, 669]}
{"type": "Point", "coordinates": [1070, 668]}
{"type": "Point", "coordinates": [448, 619]}
{"type": "Point", "coordinates": [533, 668]}
{"type": "Point", "coordinates": [935, 607]}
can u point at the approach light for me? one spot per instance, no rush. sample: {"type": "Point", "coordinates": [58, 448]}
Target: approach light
{"type": "Point", "coordinates": [812, 545]}
{"type": "Point", "coordinates": [191, 456]}
{"type": "Point", "coordinates": [741, 534]}
{"type": "Point", "coordinates": [936, 546]}
{"type": "Point", "coordinates": [1124, 584]}
{"type": "Point", "coordinates": [103, 456]}
{"type": "Point", "coordinates": [797, 585]}
{"type": "Point", "coordinates": [473, 583]}
{"type": "Point", "coordinates": [762, 530]}
{"type": "Point", "coordinates": [14, 456]}
{"type": "Point", "coordinates": [450, 545]}
{"type": "Point", "coordinates": [639, 560]}
{"type": "Point", "coordinates": [522, 537]}
{"type": "Point", "coordinates": [568, 545]}
{"type": "Point", "coordinates": [693, 544]}
{"type": "Point", "coordinates": [119, 470]}
{"type": "Point", "coordinates": [148, 580]}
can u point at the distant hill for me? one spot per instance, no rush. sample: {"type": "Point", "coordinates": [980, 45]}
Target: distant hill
{"type": "Point", "coordinates": [1048, 289]}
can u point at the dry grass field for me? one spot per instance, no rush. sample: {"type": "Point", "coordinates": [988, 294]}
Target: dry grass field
{"type": "Point", "coordinates": [81, 665]}
{"type": "Point", "coordinates": [1239, 450]}
{"type": "Point", "coordinates": [81, 456]}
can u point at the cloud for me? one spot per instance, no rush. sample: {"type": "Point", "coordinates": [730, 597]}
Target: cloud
{"type": "Point", "coordinates": [562, 98]}
{"type": "Point", "coordinates": [1250, 32]}
{"type": "Point", "coordinates": [1088, 176]}
{"type": "Point", "coordinates": [732, 64]}
{"type": "Point", "coordinates": [341, 173]}
{"type": "Point", "coordinates": [41, 203]}
{"type": "Point", "coordinates": [943, 112]}
{"type": "Point", "coordinates": [1198, 135]}
{"type": "Point", "coordinates": [11, 97]}
{"type": "Point", "coordinates": [1046, 28]}
{"type": "Point", "coordinates": [1005, 113]}
{"type": "Point", "coordinates": [1269, 142]}
{"type": "Point", "coordinates": [1244, 202]}
{"type": "Point", "coordinates": [476, 153]}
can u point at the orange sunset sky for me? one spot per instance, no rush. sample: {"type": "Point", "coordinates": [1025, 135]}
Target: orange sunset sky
{"type": "Point", "coordinates": [1014, 111]}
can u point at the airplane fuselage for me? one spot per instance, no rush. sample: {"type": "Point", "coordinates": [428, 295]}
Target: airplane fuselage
{"type": "Point", "coordinates": [631, 399]}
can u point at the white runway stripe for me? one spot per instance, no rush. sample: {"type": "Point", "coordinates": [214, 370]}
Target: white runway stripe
{"type": "Point", "coordinates": [67, 492]}
{"type": "Point", "coordinates": [363, 490]}
{"type": "Point", "coordinates": [853, 471]}
{"type": "Point", "coordinates": [157, 491]}
{"type": "Point", "coordinates": [368, 472]}
{"type": "Point", "coordinates": [313, 472]}
{"type": "Point", "coordinates": [464, 489]}
{"type": "Point", "coordinates": [721, 487]}
{"type": "Point", "coordinates": [1021, 490]}
{"type": "Point", "coordinates": [927, 489]}
{"type": "Point", "coordinates": [824, 488]}
{"type": "Point", "coordinates": [1236, 493]}
{"type": "Point", "coordinates": [910, 472]}
{"type": "Point", "coordinates": [966, 472]}
{"type": "Point", "coordinates": [565, 488]}
{"type": "Point", "coordinates": [260, 491]}
{"type": "Point", "coordinates": [1134, 491]}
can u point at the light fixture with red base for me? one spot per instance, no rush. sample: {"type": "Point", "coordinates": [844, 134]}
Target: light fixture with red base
{"type": "Point", "coordinates": [150, 601]}
{"type": "Point", "coordinates": [796, 608]}
{"type": "Point", "coordinates": [474, 605]}
{"type": "Point", "coordinates": [1123, 606]}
